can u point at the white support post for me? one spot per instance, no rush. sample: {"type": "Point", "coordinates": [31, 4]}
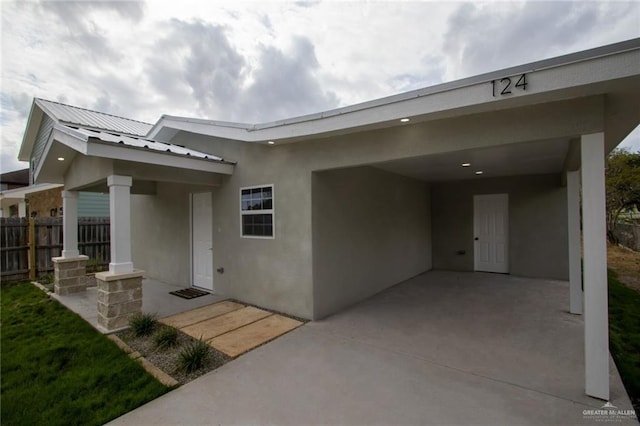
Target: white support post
{"type": "Point", "coordinates": [22, 208]}
{"type": "Point", "coordinates": [596, 323]}
{"type": "Point", "coordinates": [70, 224]}
{"type": "Point", "coordinates": [575, 267]}
{"type": "Point", "coordinates": [120, 212]}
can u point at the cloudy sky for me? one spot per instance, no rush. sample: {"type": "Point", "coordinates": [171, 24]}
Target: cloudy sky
{"type": "Point", "coordinates": [262, 61]}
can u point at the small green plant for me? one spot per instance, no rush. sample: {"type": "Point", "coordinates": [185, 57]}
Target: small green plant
{"type": "Point", "coordinates": [194, 356]}
{"type": "Point", "coordinates": [94, 265]}
{"type": "Point", "coordinates": [46, 279]}
{"type": "Point", "coordinates": [142, 324]}
{"type": "Point", "coordinates": [166, 337]}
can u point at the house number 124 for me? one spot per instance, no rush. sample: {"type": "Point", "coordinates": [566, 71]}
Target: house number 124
{"type": "Point", "coordinates": [504, 85]}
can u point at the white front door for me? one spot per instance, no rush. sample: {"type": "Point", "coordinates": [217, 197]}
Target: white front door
{"type": "Point", "coordinates": [202, 240]}
{"type": "Point", "coordinates": [491, 232]}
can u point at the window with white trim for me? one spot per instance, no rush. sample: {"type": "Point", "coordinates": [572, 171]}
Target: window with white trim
{"type": "Point", "coordinates": [256, 211]}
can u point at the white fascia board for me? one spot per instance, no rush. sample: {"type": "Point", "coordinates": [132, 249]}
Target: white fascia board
{"type": "Point", "coordinates": [199, 126]}
{"type": "Point", "coordinates": [30, 132]}
{"type": "Point", "coordinates": [547, 76]}
{"type": "Point", "coordinates": [123, 152]}
{"type": "Point", "coordinates": [64, 136]}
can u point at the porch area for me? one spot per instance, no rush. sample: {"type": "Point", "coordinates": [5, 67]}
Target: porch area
{"type": "Point", "coordinates": [155, 299]}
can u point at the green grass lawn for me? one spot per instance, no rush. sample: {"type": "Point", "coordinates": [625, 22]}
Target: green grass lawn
{"type": "Point", "coordinates": [624, 334]}
{"type": "Point", "coordinates": [57, 370]}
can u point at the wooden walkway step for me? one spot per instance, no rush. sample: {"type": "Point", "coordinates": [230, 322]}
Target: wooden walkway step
{"type": "Point", "coordinates": [222, 324]}
{"type": "Point", "coordinates": [245, 338]}
{"type": "Point", "coordinates": [200, 314]}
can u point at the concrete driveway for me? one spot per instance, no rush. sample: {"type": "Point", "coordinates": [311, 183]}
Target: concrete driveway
{"type": "Point", "coordinates": [441, 348]}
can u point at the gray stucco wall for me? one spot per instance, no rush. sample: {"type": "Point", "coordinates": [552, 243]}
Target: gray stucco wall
{"type": "Point", "coordinates": [160, 233]}
{"type": "Point", "coordinates": [273, 273]}
{"type": "Point", "coordinates": [371, 230]}
{"type": "Point", "coordinates": [278, 273]}
{"type": "Point", "coordinates": [537, 224]}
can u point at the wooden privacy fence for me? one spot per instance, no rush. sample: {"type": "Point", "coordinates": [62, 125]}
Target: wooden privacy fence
{"type": "Point", "coordinates": [28, 244]}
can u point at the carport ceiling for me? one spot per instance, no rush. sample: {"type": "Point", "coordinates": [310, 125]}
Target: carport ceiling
{"type": "Point", "coordinates": [508, 160]}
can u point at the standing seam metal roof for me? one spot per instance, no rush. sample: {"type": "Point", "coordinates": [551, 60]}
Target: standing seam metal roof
{"type": "Point", "coordinates": [140, 143]}
{"type": "Point", "coordinates": [98, 120]}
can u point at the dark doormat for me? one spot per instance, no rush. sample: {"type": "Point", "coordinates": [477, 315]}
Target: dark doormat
{"type": "Point", "coordinates": [189, 293]}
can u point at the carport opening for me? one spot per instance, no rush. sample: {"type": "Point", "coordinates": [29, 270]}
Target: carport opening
{"type": "Point", "coordinates": [373, 228]}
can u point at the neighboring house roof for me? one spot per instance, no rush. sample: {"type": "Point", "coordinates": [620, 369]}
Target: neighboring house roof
{"type": "Point", "coordinates": [89, 204]}
{"type": "Point", "coordinates": [17, 194]}
{"type": "Point", "coordinates": [569, 73]}
{"type": "Point", "coordinates": [17, 177]}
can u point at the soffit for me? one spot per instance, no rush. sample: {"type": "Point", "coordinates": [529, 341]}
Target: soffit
{"type": "Point", "coordinates": [540, 157]}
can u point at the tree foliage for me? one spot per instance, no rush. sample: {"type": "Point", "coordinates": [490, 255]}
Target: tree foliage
{"type": "Point", "coordinates": [622, 184]}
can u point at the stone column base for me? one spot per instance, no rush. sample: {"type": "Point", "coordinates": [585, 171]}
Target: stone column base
{"type": "Point", "coordinates": [70, 275]}
{"type": "Point", "coordinates": [119, 297]}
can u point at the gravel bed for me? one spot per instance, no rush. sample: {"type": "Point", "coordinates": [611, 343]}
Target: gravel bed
{"type": "Point", "coordinates": [167, 359]}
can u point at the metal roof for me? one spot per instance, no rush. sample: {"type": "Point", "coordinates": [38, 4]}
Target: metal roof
{"type": "Point", "coordinates": [140, 143]}
{"type": "Point", "coordinates": [68, 114]}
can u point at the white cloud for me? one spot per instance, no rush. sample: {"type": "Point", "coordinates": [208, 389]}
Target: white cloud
{"type": "Point", "coordinates": [263, 61]}
{"type": "Point", "coordinates": [632, 142]}
{"type": "Point", "coordinates": [488, 36]}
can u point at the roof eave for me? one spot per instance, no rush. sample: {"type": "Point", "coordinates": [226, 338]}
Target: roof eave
{"type": "Point", "coordinates": [128, 153]}
{"type": "Point", "coordinates": [33, 125]}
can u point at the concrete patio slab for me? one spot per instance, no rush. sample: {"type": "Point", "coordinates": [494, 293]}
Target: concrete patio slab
{"type": "Point", "coordinates": [222, 324]}
{"type": "Point", "coordinates": [155, 299]}
{"type": "Point", "coordinates": [194, 316]}
{"type": "Point", "coordinates": [239, 341]}
{"type": "Point", "coordinates": [441, 348]}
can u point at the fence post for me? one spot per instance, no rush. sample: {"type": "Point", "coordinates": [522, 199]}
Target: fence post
{"type": "Point", "coordinates": [32, 249]}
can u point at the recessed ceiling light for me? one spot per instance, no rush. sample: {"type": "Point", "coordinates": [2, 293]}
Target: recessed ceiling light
{"type": "Point", "coordinates": [270, 142]}
{"type": "Point", "coordinates": [479, 172]}
{"type": "Point", "coordinates": [405, 120]}
{"type": "Point", "coordinates": [60, 158]}
{"type": "Point", "coordinates": [466, 164]}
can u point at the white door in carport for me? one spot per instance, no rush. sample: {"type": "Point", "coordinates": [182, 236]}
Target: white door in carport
{"type": "Point", "coordinates": [491, 232]}
{"type": "Point", "coordinates": [202, 240]}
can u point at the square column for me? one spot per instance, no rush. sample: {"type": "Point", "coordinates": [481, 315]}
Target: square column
{"type": "Point", "coordinates": [70, 224]}
{"type": "Point", "coordinates": [596, 309]}
{"type": "Point", "coordinates": [120, 212]}
{"type": "Point", "coordinates": [70, 275]}
{"type": "Point", "coordinates": [119, 289]}
{"type": "Point", "coordinates": [70, 269]}
{"type": "Point", "coordinates": [575, 267]}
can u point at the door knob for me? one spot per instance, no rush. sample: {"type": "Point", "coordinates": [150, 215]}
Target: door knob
{"type": "Point", "coordinates": [476, 238]}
